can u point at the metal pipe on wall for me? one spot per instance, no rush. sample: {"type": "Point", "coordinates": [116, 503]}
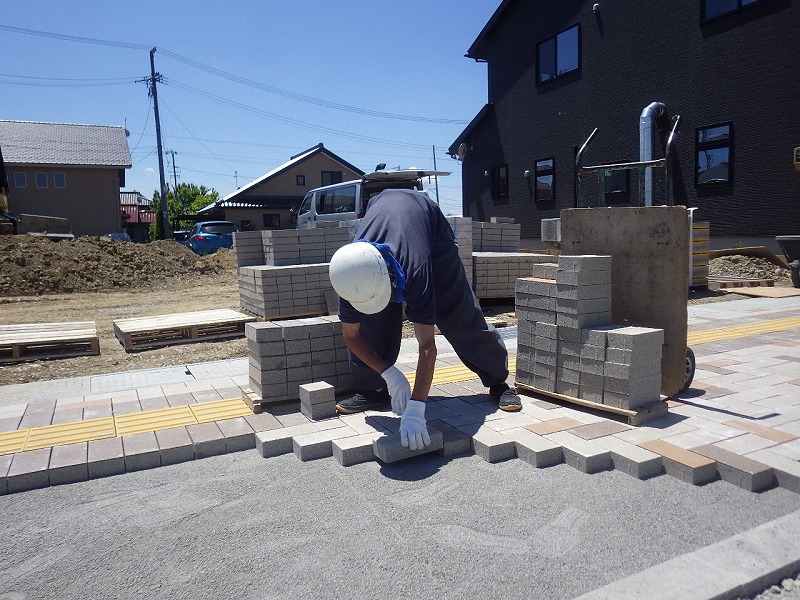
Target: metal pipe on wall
{"type": "Point", "coordinates": [647, 134]}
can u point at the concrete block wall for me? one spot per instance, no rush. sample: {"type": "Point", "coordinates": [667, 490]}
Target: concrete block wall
{"type": "Point", "coordinates": [495, 273]}
{"type": "Point", "coordinates": [284, 355]}
{"type": "Point", "coordinates": [495, 236]}
{"type": "Point", "coordinates": [276, 291]}
{"type": "Point", "coordinates": [568, 345]}
{"type": "Point", "coordinates": [248, 248]}
{"type": "Point", "coordinates": [282, 247]}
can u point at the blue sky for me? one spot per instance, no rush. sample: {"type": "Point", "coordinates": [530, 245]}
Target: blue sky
{"type": "Point", "coordinates": [403, 59]}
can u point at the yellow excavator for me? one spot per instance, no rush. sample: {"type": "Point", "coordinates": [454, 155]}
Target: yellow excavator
{"type": "Point", "coordinates": [55, 228]}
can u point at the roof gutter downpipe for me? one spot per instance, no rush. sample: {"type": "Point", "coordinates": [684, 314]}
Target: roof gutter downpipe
{"type": "Point", "coordinates": [647, 136]}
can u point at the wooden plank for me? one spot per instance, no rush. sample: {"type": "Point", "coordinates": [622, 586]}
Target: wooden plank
{"type": "Point", "coordinates": [33, 341]}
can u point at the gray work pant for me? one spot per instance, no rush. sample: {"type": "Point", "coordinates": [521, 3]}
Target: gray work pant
{"type": "Point", "coordinates": [459, 318]}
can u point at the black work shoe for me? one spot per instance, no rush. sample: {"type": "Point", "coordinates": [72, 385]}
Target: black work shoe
{"type": "Point", "coordinates": [364, 400]}
{"type": "Point", "coordinates": [506, 397]}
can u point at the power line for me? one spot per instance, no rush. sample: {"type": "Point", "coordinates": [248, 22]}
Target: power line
{"type": "Point", "coordinates": [75, 38]}
{"type": "Point", "coordinates": [65, 82]}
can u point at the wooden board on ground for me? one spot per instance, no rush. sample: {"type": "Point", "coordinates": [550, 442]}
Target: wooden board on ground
{"type": "Point", "coordinates": [717, 282]}
{"type": "Point", "coordinates": [766, 292]}
{"type": "Point", "coordinates": [634, 417]}
{"type": "Point", "coordinates": [649, 248]}
{"type": "Point", "coordinates": [180, 328]}
{"type": "Point", "coordinates": [34, 341]}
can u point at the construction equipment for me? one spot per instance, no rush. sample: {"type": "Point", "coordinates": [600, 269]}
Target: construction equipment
{"type": "Point", "coordinates": [55, 228]}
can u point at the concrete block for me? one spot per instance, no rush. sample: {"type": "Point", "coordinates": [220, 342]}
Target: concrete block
{"type": "Point", "coordinates": [580, 454]}
{"type": "Point", "coordinates": [584, 262]}
{"type": "Point", "coordinates": [455, 442]}
{"type": "Point", "coordinates": [69, 463]}
{"type": "Point", "coordinates": [594, 369]}
{"type": "Point", "coordinates": [28, 470]}
{"type": "Point", "coordinates": [583, 292]}
{"type": "Point", "coordinates": [535, 449]}
{"type": "Point", "coordinates": [263, 331]}
{"type": "Point", "coordinates": [207, 439]}
{"type": "Point", "coordinates": [592, 352]}
{"type": "Point", "coordinates": [106, 457]}
{"type": "Point", "coordinates": [629, 458]}
{"type": "Point", "coordinates": [279, 441]}
{"type": "Point", "coordinates": [388, 448]}
{"type": "Point", "coordinates": [566, 388]}
{"type": "Point", "coordinates": [583, 320]}
{"type": "Point", "coordinates": [546, 330]}
{"type": "Point", "coordinates": [683, 464]}
{"type": "Point", "coordinates": [639, 364]}
{"type": "Point", "coordinates": [5, 463]}
{"type": "Point", "coordinates": [643, 369]}
{"type": "Point", "coordinates": [355, 449]}
{"type": "Point", "coordinates": [319, 392]}
{"type": "Point", "coordinates": [316, 445]}
{"type": "Point", "coordinates": [739, 470]}
{"type": "Point", "coordinates": [579, 307]}
{"type": "Point", "coordinates": [492, 446]}
{"type": "Point", "coordinates": [318, 412]}
{"type": "Point", "coordinates": [635, 338]}
{"type": "Point", "coordinates": [141, 451]}
{"type": "Point", "coordinates": [175, 445]}
{"type": "Point", "coordinates": [238, 434]}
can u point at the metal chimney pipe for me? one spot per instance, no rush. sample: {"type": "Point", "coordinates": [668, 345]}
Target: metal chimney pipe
{"type": "Point", "coordinates": [647, 136]}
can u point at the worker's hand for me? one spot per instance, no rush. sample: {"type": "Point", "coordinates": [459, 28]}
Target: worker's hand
{"type": "Point", "coordinates": [398, 387]}
{"type": "Point", "coordinates": [413, 428]}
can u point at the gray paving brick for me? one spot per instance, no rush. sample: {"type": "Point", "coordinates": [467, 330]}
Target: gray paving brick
{"type": "Point", "coordinates": [263, 422]}
{"type": "Point", "coordinates": [292, 418]}
{"type": "Point", "coordinates": [313, 446]}
{"type": "Point", "coordinates": [631, 459]}
{"type": "Point", "coordinates": [359, 423]}
{"type": "Point", "coordinates": [175, 445]}
{"type": "Point", "coordinates": [535, 449]}
{"type": "Point", "coordinates": [580, 454]}
{"type": "Point", "coordinates": [739, 470]}
{"type": "Point", "coordinates": [388, 448]}
{"type": "Point", "coordinates": [355, 449]}
{"type": "Point", "coordinates": [207, 439]}
{"type": "Point", "coordinates": [238, 434]}
{"type": "Point", "coordinates": [69, 463]}
{"type": "Point", "coordinates": [596, 430]}
{"type": "Point", "coordinates": [28, 470]}
{"type": "Point", "coordinates": [318, 412]}
{"type": "Point", "coordinates": [141, 451]}
{"type": "Point", "coordinates": [279, 441]}
{"type": "Point", "coordinates": [787, 471]}
{"type": "Point", "coordinates": [106, 457]}
{"type": "Point", "coordinates": [454, 441]}
{"type": "Point", "coordinates": [5, 463]}
{"type": "Point", "coordinates": [492, 446]}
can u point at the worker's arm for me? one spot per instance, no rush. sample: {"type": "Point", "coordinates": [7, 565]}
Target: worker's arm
{"type": "Point", "coordinates": [359, 346]}
{"type": "Point", "coordinates": [425, 362]}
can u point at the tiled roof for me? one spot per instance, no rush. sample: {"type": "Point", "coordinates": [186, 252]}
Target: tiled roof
{"type": "Point", "coordinates": [64, 144]}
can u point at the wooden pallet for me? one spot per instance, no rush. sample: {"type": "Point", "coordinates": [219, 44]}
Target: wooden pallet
{"type": "Point", "coordinates": [728, 281]}
{"type": "Point", "coordinates": [35, 341]}
{"type": "Point", "coordinates": [634, 417]}
{"type": "Point", "coordinates": [180, 328]}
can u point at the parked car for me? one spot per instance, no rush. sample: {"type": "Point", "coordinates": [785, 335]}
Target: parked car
{"type": "Point", "coordinates": [122, 237]}
{"type": "Point", "coordinates": [206, 237]}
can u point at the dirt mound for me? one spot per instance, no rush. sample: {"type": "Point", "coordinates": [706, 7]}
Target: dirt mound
{"type": "Point", "coordinates": [31, 265]}
{"type": "Point", "coordinates": [751, 267]}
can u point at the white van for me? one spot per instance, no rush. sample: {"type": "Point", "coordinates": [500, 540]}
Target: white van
{"type": "Point", "coordinates": [348, 200]}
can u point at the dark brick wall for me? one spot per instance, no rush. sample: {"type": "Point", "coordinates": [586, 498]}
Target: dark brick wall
{"type": "Point", "coordinates": [741, 68]}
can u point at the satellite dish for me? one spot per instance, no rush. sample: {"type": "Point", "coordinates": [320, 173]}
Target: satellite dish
{"type": "Point", "coordinates": [462, 151]}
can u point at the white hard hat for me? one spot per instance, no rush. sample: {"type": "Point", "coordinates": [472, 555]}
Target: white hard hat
{"type": "Point", "coordinates": [359, 274]}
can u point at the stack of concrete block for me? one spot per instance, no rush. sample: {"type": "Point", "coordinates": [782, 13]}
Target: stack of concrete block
{"type": "Point", "coordinates": [274, 291]}
{"type": "Point", "coordinates": [247, 248]}
{"type": "Point", "coordinates": [495, 273]}
{"type": "Point", "coordinates": [284, 355]}
{"type": "Point", "coordinates": [318, 400]}
{"type": "Point", "coordinates": [567, 343]}
{"type": "Point", "coordinates": [462, 231]}
{"type": "Point", "coordinates": [497, 236]}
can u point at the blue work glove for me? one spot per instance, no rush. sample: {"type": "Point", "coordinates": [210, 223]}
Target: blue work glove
{"type": "Point", "coordinates": [413, 428]}
{"type": "Point", "coordinates": [398, 387]}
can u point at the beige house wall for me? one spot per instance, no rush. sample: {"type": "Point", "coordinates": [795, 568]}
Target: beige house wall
{"type": "Point", "coordinates": [90, 199]}
{"type": "Point", "coordinates": [285, 184]}
{"type": "Point", "coordinates": [256, 217]}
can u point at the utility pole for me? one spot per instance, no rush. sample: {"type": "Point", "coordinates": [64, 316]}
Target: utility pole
{"type": "Point", "coordinates": [154, 79]}
{"type": "Point", "coordinates": [435, 177]}
{"type": "Point", "coordinates": [174, 175]}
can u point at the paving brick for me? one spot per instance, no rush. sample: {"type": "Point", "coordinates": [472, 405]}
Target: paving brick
{"type": "Point", "coordinates": [596, 430]}
{"type": "Point", "coordinates": [535, 449]}
{"type": "Point", "coordinates": [492, 446]}
{"type": "Point", "coordinates": [388, 448]}
{"type": "Point", "coordinates": [316, 445]}
{"type": "Point", "coordinates": [141, 451]}
{"type": "Point", "coordinates": [175, 445]}
{"type": "Point", "coordinates": [106, 457]}
{"type": "Point", "coordinates": [5, 463]}
{"type": "Point", "coordinates": [318, 412]}
{"type": "Point", "coordinates": [787, 471]}
{"type": "Point", "coordinates": [580, 454]}
{"type": "Point", "coordinates": [207, 439]}
{"type": "Point", "coordinates": [68, 463]}
{"type": "Point", "coordinates": [238, 434]}
{"type": "Point", "coordinates": [553, 425]}
{"type": "Point", "coordinates": [263, 422]}
{"type": "Point", "coordinates": [631, 459]}
{"type": "Point", "coordinates": [765, 432]}
{"type": "Point", "coordinates": [745, 443]}
{"type": "Point", "coordinates": [279, 441]}
{"type": "Point", "coordinates": [511, 421]}
{"type": "Point", "coordinates": [290, 419]}
{"type": "Point", "coordinates": [319, 392]}
{"type": "Point", "coordinates": [683, 464]}
{"type": "Point", "coordinates": [355, 449]}
{"type": "Point", "coordinates": [739, 470]}
{"type": "Point", "coordinates": [29, 470]}
{"type": "Point", "coordinates": [455, 441]}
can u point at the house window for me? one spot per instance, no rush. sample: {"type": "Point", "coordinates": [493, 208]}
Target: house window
{"type": "Point", "coordinates": [719, 8]}
{"type": "Point", "coordinates": [615, 184]}
{"type": "Point", "coordinates": [301, 179]}
{"type": "Point", "coordinates": [500, 181]}
{"type": "Point", "coordinates": [41, 180]}
{"type": "Point", "coordinates": [559, 55]}
{"type": "Point", "coordinates": [544, 173]}
{"type": "Point", "coordinates": [331, 177]}
{"type": "Point", "coordinates": [714, 146]}
{"type": "Point", "coordinates": [20, 179]}
{"type": "Point", "coordinates": [59, 180]}
{"type": "Point", "coordinates": [245, 225]}
{"type": "Point", "coordinates": [272, 221]}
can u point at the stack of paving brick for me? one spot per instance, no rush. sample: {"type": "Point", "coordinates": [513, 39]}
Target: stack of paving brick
{"type": "Point", "coordinates": [495, 273]}
{"type": "Point", "coordinates": [287, 354]}
{"type": "Point", "coordinates": [247, 248]}
{"type": "Point", "coordinates": [462, 230]}
{"type": "Point", "coordinates": [318, 400]}
{"type": "Point", "coordinates": [567, 343]}
{"type": "Point", "coordinates": [272, 291]}
{"type": "Point", "coordinates": [302, 246]}
{"type": "Point", "coordinates": [501, 235]}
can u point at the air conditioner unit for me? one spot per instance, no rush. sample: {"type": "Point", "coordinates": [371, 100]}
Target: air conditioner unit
{"type": "Point", "coordinates": [551, 232]}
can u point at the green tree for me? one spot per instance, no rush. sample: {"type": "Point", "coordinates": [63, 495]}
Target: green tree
{"type": "Point", "coordinates": [186, 200]}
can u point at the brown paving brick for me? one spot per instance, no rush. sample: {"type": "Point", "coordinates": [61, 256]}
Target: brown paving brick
{"type": "Point", "coordinates": [601, 429]}
{"type": "Point", "coordinates": [787, 357]}
{"type": "Point", "coordinates": [775, 435]}
{"type": "Point", "coordinates": [262, 422]}
{"type": "Point", "coordinates": [685, 457]}
{"type": "Point", "coordinates": [545, 404]}
{"type": "Point", "coordinates": [553, 426]}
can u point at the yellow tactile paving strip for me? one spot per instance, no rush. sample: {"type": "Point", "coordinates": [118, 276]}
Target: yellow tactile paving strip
{"type": "Point", "coordinates": [191, 414]}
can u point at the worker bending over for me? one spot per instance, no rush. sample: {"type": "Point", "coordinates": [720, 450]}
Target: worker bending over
{"type": "Point", "coordinates": [405, 251]}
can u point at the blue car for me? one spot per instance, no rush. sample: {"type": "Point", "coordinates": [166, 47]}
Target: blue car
{"type": "Point", "coordinates": [206, 237]}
